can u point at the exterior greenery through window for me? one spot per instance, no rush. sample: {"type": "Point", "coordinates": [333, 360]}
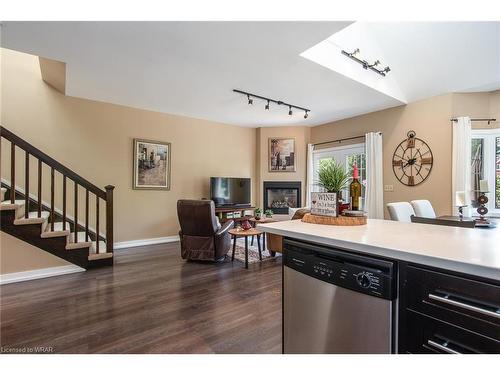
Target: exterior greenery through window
{"type": "Point", "coordinates": [347, 156]}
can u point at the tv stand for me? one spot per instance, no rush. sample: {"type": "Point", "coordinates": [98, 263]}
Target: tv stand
{"type": "Point", "coordinates": [231, 211]}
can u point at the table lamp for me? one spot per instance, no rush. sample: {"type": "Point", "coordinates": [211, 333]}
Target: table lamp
{"type": "Point", "coordinates": [460, 202]}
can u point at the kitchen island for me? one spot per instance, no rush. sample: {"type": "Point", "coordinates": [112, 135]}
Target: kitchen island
{"type": "Point", "coordinates": [446, 281]}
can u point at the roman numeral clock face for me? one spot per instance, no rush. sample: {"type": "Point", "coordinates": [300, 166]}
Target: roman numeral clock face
{"type": "Point", "coordinates": [412, 160]}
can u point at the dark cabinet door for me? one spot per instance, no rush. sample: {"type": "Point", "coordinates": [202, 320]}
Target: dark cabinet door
{"type": "Point", "coordinates": [442, 312]}
{"type": "Point", "coordinates": [429, 335]}
{"type": "Point", "coordinates": [467, 303]}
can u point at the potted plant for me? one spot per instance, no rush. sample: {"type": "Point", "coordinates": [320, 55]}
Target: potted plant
{"type": "Point", "coordinates": [269, 213]}
{"type": "Point", "coordinates": [333, 177]}
{"type": "Point", "coordinates": [258, 213]}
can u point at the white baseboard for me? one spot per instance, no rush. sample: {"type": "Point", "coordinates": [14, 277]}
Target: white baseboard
{"type": "Point", "coordinates": [41, 273]}
{"type": "Point", "coordinates": [144, 242]}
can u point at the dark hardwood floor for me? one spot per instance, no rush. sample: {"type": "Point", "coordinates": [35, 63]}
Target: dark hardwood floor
{"type": "Point", "coordinates": [151, 301]}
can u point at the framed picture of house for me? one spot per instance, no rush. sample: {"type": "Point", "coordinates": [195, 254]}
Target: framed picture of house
{"type": "Point", "coordinates": [151, 165]}
{"type": "Point", "coordinates": [282, 155]}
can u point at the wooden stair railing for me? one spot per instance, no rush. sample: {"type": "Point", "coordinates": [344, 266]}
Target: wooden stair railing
{"type": "Point", "coordinates": [31, 151]}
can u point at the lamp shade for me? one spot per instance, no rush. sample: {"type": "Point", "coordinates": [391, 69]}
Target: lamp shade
{"type": "Point", "coordinates": [483, 186]}
{"type": "Point", "coordinates": [460, 200]}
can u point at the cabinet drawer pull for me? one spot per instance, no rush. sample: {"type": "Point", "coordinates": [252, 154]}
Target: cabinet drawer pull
{"type": "Point", "coordinates": [449, 301]}
{"type": "Point", "coordinates": [442, 347]}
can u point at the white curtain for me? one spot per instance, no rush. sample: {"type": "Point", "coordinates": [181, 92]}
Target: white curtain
{"type": "Point", "coordinates": [461, 162]}
{"type": "Point", "coordinates": [374, 200]}
{"type": "Point", "coordinates": [309, 178]}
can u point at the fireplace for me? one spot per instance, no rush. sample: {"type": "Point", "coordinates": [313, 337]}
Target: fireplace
{"type": "Point", "coordinates": [280, 195]}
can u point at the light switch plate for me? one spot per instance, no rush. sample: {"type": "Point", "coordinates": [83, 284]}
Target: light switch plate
{"type": "Point", "coordinates": [388, 187]}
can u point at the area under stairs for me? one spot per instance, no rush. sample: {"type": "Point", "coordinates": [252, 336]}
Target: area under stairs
{"type": "Point", "coordinates": [44, 226]}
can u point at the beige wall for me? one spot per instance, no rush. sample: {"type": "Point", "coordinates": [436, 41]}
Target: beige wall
{"type": "Point", "coordinates": [301, 135]}
{"type": "Point", "coordinates": [95, 140]}
{"type": "Point", "coordinates": [19, 256]}
{"type": "Point", "coordinates": [430, 119]}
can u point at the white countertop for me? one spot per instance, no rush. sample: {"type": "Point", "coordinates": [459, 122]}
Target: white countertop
{"type": "Point", "coordinates": [471, 251]}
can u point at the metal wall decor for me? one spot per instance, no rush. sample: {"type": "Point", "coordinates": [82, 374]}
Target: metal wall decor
{"type": "Point", "coordinates": [366, 65]}
{"type": "Point", "coordinates": [412, 160]}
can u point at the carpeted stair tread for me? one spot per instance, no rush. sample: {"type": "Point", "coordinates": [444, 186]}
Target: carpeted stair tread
{"type": "Point", "coordinates": [102, 251]}
{"type": "Point", "coordinates": [7, 205]}
{"type": "Point", "coordinates": [57, 232]}
{"type": "Point", "coordinates": [33, 218]}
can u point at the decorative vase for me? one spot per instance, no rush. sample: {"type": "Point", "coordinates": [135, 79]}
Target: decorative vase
{"type": "Point", "coordinates": [246, 225]}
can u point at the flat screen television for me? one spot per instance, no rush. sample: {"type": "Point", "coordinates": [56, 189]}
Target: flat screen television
{"type": "Point", "coordinates": [230, 191]}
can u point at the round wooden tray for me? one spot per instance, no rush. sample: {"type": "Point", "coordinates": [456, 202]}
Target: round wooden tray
{"type": "Point", "coordinates": [340, 220]}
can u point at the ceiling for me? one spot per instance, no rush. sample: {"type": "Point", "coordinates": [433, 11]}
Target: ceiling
{"type": "Point", "coordinates": [191, 68]}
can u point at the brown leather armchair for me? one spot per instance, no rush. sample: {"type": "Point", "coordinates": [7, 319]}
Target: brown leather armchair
{"type": "Point", "coordinates": [202, 238]}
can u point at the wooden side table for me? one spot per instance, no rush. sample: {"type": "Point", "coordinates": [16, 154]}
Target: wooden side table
{"type": "Point", "coordinates": [245, 233]}
{"type": "Point", "coordinates": [262, 220]}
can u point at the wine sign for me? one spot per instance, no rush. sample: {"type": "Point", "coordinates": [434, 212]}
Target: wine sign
{"type": "Point", "coordinates": [324, 204]}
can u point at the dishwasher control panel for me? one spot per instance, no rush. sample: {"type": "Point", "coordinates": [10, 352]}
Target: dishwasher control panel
{"type": "Point", "coordinates": [352, 271]}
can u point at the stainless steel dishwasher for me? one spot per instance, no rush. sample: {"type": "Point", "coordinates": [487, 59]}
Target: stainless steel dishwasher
{"type": "Point", "coordinates": [335, 301]}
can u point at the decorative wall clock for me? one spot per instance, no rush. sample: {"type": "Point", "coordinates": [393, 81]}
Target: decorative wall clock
{"type": "Point", "coordinates": [412, 160]}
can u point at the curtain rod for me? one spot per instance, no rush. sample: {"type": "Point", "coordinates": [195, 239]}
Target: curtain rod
{"type": "Point", "coordinates": [477, 119]}
{"type": "Point", "coordinates": [341, 140]}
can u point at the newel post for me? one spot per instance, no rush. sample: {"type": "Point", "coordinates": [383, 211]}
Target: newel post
{"type": "Point", "coordinates": [109, 218]}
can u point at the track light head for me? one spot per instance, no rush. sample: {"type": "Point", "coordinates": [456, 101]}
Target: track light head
{"type": "Point", "coordinates": [387, 69]}
{"type": "Point", "coordinates": [290, 111]}
{"type": "Point", "coordinates": [306, 115]}
{"type": "Point", "coordinates": [250, 100]}
{"type": "Point", "coordinates": [267, 105]}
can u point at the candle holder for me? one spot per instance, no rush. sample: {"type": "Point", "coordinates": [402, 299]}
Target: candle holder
{"type": "Point", "coordinates": [482, 210]}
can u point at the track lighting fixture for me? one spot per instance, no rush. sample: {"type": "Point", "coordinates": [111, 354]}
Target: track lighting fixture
{"type": "Point", "coordinates": [278, 102]}
{"type": "Point", "coordinates": [365, 64]}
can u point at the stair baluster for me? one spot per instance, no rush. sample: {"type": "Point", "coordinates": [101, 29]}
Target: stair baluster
{"type": "Point", "coordinates": [27, 186]}
{"type": "Point", "coordinates": [39, 211]}
{"type": "Point", "coordinates": [64, 204]}
{"type": "Point", "coordinates": [12, 173]}
{"type": "Point", "coordinates": [109, 218]}
{"type": "Point", "coordinates": [52, 188]}
{"type": "Point", "coordinates": [76, 213]}
{"type": "Point", "coordinates": [87, 215]}
{"type": "Point", "coordinates": [97, 223]}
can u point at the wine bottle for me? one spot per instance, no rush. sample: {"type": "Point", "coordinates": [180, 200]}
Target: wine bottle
{"type": "Point", "coordinates": [355, 189]}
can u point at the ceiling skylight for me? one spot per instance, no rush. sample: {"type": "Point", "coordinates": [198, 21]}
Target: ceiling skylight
{"type": "Point", "coordinates": [328, 53]}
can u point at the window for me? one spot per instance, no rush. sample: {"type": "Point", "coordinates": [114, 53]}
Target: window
{"type": "Point", "coordinates": [347, 156]}
{"type": "Point", "coordinates": [485, 165]}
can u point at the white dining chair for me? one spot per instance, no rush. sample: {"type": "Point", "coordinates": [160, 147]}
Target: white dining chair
{"type": "Point", "coordinates": [423, 208]}
{"type": "Point", "coordinates": [400, 211]}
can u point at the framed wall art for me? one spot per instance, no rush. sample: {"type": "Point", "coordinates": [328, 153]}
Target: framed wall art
{"type": "Point", "coordinates": [151, 165]}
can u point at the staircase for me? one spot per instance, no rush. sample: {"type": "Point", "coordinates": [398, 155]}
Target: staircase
{"type": "Point", "coordinates": [24, 215]}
